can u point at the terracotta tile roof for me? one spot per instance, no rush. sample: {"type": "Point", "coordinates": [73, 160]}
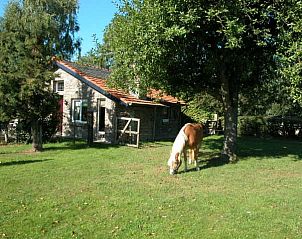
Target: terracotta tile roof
{"type": "Point", "coordinates": [157, 94]}
{"type": "Point", "coordinates": [96, 78]}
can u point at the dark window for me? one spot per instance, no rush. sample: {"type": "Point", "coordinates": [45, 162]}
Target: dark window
{"type": "Point", "coordinates": [101, 114]}
{"type": "Point", "coordinates": [102, 119]}
{"type": "Point", "coordinates": [60, 86]}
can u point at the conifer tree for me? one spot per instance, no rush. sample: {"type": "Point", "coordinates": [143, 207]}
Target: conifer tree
{"type": "Point", "coordinates": [32, 32]}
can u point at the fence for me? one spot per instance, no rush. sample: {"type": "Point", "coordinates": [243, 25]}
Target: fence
{"type": "Point", "coordinates": [128, 131]}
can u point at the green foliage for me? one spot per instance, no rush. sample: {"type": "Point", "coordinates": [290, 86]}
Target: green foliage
{"type": "Point", "coordinates": [252, 126]}
{"type": "Point", "coordinates": [32, 33]}
{"type": "Point", "coordinates": [269, 100]}
{"type": "Point", "coordinates": [179, 45]}
{"type": "Point", "coordinates": [273, 126]}
{"type": "Point", "coordinates": [96, 57]}
{"type": "Point", "coordinates": [202, 107]}
{"type": "Point", "coordinates": [290, 50]}
{"type": "Point", "coordinates": [224, 48]}
{"type": "Point", "coordinates": [10, 75]}
{"type": "Point", "coordinates": [288, 109]}
{"type": "Point", "coordinates": [22, 132]}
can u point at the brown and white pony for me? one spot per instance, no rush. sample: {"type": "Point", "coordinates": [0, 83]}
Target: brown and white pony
{"type": "Point", "coordinates": [189, 137]}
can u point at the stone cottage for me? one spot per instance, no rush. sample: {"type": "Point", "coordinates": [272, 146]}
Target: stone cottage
{"type": "Point", "coordinates": [91, 109]}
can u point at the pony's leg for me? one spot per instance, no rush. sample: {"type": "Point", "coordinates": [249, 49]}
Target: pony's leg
{"type": "Point", "coordinates": [185, 159]}
{"type": "Point", "coordinates": [190, 156]}
{"type": "Point", "coordinates": [195, 155]}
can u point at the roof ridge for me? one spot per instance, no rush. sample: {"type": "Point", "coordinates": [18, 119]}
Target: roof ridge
{"type": "Point", "coordinates": [88, 66]}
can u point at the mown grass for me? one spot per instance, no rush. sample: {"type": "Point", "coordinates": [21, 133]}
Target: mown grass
{"type": "Point", "coordinates": [72, 191]}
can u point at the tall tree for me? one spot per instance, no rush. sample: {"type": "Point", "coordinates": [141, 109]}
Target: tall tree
{"type": "Point", "coordinates": [290, 50]}
{"type": "Point", "coordinates": [95, 57]}
{"type": "Point", "coordinates": [32, 32]}
{"type": "Point", "coordinates": [184, 47]}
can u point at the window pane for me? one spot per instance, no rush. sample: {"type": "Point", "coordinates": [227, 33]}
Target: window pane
{"type": "Point", "coordinates": [84, 110]}
{"type": "Point", "coordinates": [102, 102]}
{"type": "Point", "coordinates": [77, 110]}
{"type": "Point", "coordinates": [60, 86]}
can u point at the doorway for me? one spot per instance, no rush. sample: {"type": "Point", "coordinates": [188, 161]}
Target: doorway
{"type": "Point", "coordinates": [101, 119]}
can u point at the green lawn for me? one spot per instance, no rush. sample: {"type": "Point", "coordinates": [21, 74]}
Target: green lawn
{"type": "Point", "coordinates": [71, 191]}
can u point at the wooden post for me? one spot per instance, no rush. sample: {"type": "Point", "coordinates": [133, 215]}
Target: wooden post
{"type": "Point", "coordinates": [74, 132]}
{"type": "Point", "coordinates": [154, 123]}
{"type": "Point", "coordinates": [90, 128]}
{"type": "Point", "coordinates": [138, 132]}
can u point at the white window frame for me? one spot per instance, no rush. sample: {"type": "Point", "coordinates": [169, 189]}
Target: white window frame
{"type": "Point", "coordinates": [78, 103]}
{"type": "Point", "coordinates": [56, 86]}
{"type": "Point", "coordinates": [101, 104]}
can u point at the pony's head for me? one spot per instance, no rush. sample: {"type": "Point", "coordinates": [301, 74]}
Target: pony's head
{"type": "Point", "coordinates": [174, 163]}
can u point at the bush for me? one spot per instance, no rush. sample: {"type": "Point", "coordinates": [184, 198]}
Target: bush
{"type": "Point", "coordinates": [21, 132]}
{"type": "Point", "coordinates": [252, 126]}
{"type": "Point", "coordinates": [276, 126]}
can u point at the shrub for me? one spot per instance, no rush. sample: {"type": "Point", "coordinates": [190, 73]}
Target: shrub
{"type": "Point", "coordinates": [276, 126]}
{"type": "Point", "coordinates": [252, 126]}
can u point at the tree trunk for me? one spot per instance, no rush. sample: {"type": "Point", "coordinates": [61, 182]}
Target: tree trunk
{"type": "Point", "coordinates": [229, 90]}
{"type": "Point", "coordinates": [6, 134]}
{"type": "Point", "coordinates": [36, 132]}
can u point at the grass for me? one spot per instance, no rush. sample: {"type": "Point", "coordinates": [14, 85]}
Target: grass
{"type": "Point", "coordinates": [72, 191]}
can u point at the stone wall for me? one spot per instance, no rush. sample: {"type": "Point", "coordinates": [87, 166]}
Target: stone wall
{"type": "Point", "coordinates": [75, 89]}
{"type": "Point", "coordinates": [157, 122]}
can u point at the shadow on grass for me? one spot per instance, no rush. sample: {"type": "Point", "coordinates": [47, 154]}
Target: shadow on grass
{"type": "Point", "coordinates": [206, 164]}
{"type": "Point", "coordinates": [155, 144]}
{"type": "Point", "coordinates": [212, 143]}
{"type": "Point", "coordinates": [261, 148]}
{"type": "Point", "coordinates": [21, 162]}
{"type": "Point", "coordinates": [268, 148]}
{"type": "Point", "coordinates": [69, 145]}
{"type": "Point", "coordinates": [257, 147]}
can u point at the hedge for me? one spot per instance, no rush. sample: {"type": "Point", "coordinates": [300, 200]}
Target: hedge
{"type": "Point", "coordinates": [275, 126]}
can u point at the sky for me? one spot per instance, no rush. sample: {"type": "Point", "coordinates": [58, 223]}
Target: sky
{"type": "Point", "coordinates": [93, 17]}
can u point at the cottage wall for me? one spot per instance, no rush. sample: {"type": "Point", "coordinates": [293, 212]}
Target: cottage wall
{"type": "Point", "coordinates": [146, 116]}
{"type": "Point", "coordinates": [157, 122]}
{"type": "Point", "coordinates": [75, 89]}
{"type": "Point", "coordinates": [167, 122]}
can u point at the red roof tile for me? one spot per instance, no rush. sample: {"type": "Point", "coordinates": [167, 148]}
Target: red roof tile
{"type": "Point", "coordinates": [96, 78]}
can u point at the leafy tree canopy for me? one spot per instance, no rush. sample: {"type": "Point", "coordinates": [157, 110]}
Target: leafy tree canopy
{"type": "Point", "coordinates": [290, 47]}
{"type": "Point", "coordinates": [32, 32]}
{"type": "Point", "coordinates": [180, 43]}
{"type": "Point", "coordinates": [184, 47]}
{"type": "Point", "coordinates": [96, 57]}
